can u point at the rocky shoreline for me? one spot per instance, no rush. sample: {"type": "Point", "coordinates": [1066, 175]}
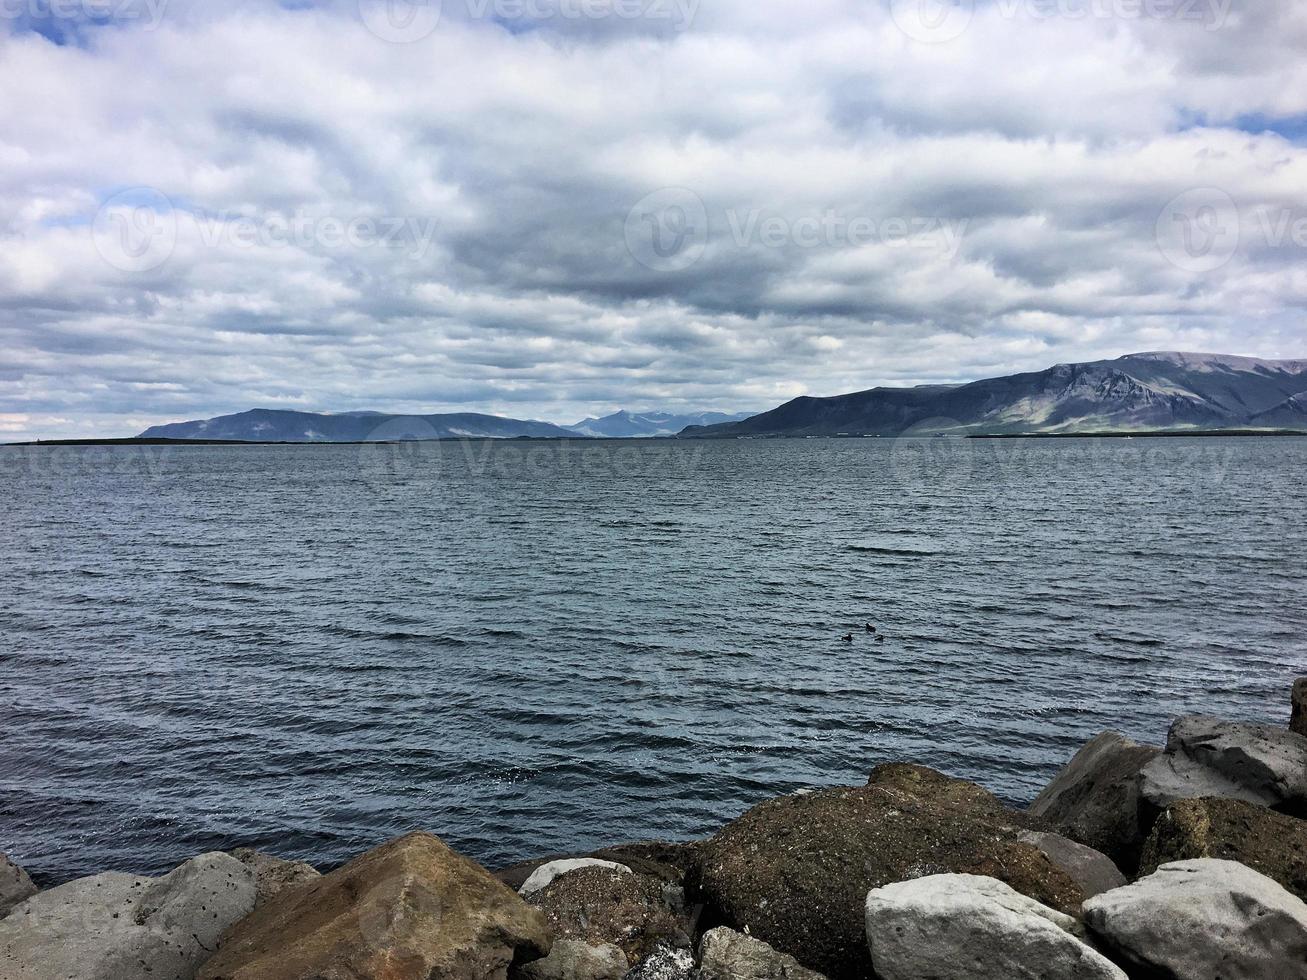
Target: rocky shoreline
{"type": "Point", "coordinates": [1183, 862]}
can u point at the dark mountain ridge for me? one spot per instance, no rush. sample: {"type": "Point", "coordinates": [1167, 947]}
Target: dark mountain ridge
{"type": "Point", "coordinates": [275, 425]}
{"type": "Point", "coordinates": [1137, 392]}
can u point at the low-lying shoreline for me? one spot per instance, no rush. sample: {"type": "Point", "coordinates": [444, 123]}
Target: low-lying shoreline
{"type": "Point", "coordinates": [1135, 861]}
{"type": "Point", "coordinates": [1159, 434]}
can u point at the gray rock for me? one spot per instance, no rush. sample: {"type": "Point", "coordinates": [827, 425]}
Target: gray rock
{"type": "Point", "coordinates": [1211, 757]}
{"type": "Point", "coordinates": [1095, 798]}
{"type": "Point", "coordinates": [664, 963]}
{"type": "Point", "coordinates": [1298, 721]}
{"type": "Point", "coordinates": [15, 886]}
{"type": "Point", "coordinates": [539, 879]}
{"type": "Point", "coordinates": [725, 954]}
{"type": "Point", "coordinates": [272, 874]}
{"type": "Point", "coordinates": [122, 927]}
{"type": "Point", "coordinates": [1204, 920]}
{"type": "Point", "coordinates": [955, 926]}
{"type": "Point", "coordinates": [575, 959]}
{"type": "Point", "coordinates": [1092, 870]}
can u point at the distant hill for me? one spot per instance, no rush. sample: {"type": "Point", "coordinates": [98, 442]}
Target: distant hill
{"type": "Point", "coordinates": [635, 425]}
{"type": "Point", "coordinates": [1138, 392]}
{"type": "Point", "coordinates": [269, 425]}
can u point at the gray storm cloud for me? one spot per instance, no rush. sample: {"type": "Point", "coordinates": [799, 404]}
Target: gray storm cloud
{"type": "Point", "coordinates": [554, 211]}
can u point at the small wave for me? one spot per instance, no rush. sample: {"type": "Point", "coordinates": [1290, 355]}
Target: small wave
{"type": "Point", "coordinates": [881, 549]}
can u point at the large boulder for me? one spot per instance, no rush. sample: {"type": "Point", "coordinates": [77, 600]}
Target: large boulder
{"type": "Point", "coordinates": [725, 954]}
{"type": "Point", "coordinates": [1203, 920]}
{"type": "Point", "coordinates": [1092, 870]}
{"type": "Point", "coordinates": [1231, 830]}
{"type": "Point", "coordinates": [1298, 717]}
{"type": "Point", "coordinates": [1211, 757]}
{"type": "Point", "coordinates": [15, 885]}
{"type": "Point", "coordinates": [959, 926]}
{"type": "Point", "coordinates": [601, 905]}
{"type": "Point", "coordinates": [272, 874]}
{"type": "Point", "coordinates": [795, 871]}
{"type": "Point", "coordinates": [408, 910]}
{"type": "Point", "coordinates": [1095, 798]}
{"type": "Point", "coordinates": [123, 927]}
{"type": "Point", "coordinates": [575, 959]}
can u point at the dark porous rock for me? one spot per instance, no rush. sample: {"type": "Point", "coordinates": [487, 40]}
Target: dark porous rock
{"type": "Point", "coordinates": [915, 780]}
{"type": "Point", "coordinates": [628, 910]}
{"type": "Point", "coordinates": [1298, 720]}
{"type": "Point", "coordinates": [1231, 830]}
{"type": "Point", "coordinates": [1203, 920]}
{"type": "Point", "coordinates": [1212, 757]}
{"type": "Point", "coordinates": [1095, 798]}
{"type": "Point", "coordinates": [15, 886]}
{"type": "Point", "coordinates": [1092, 870]}
{"type": "Point", "coordinates": [795, 871]}
{"type": "Point", "coordinates": [408, 910]}
{"type": "Point", "coordinates": [272, 874]}
{"type": "Point", "coordinates": [665, 963]}
{"type": "Point", "coordinates": [725, 954]}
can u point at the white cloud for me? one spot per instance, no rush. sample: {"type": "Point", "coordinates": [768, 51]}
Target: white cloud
{"type": "Point", "coordinates": [492, 171]}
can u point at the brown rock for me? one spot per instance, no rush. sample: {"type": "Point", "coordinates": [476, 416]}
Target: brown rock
{"type": "Point", "coordinates": [273, 874]}
{"type": "Point", "coordinates": [408, 910]}
{"type": "Point", "coordinates": [1298, 721]}
{"type": "Point", "coordinates": [1095, 798]}
{"type": "Point", "coordinates": [1231, 830]}
{"type": "Point", "coordinates": [634, 912]}
{"type": "Point", "coordinates": [795, 871]}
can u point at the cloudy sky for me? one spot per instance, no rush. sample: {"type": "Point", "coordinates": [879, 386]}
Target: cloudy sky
{"type": "Point", "coordinates": [557, 208]}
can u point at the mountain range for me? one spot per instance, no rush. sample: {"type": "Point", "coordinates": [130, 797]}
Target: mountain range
{"type": "Point", "coordinates": [635, 425]}
{"type": "Point", "coordinates": [1138, 392]}
{"type": "Point", "coordinates": [272, 425]}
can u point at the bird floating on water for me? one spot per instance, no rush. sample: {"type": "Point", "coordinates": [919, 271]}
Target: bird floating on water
{"type": "Point", "coordinates": [847, 637]}
{"type": "Point", "coordinates": [880, 638]}
{"type": "Point", "coordinates": [870, 628]}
